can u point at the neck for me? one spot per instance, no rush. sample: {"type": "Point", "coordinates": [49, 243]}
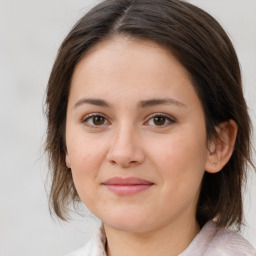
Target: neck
{"type": "Point", "coordinates": [170, 240]}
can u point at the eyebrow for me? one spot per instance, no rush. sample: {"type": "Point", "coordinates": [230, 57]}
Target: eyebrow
{"type": "Point", "coordinates": [142, 104]}
{"type": "Point", "coordinates": [96, 102]}
{"type": "Point", "coordinates": [164, 101]}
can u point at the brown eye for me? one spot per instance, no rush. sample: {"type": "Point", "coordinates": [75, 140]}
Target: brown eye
{"type": "Point", "coordinates": [98, 120]}
{"type": "Point", "coordinates": [159, 120]}
{"type": "Point", "coordinates": [95, 120]}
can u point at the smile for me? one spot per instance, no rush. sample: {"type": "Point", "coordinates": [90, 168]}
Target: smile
{"type": "Point", "coordinates": [127, 186]}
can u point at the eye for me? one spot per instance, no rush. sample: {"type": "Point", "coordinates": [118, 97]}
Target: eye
{"type": "Point", "coordinates": [160, 120]}
{"type": "Point", "coordinates": [95, 120]}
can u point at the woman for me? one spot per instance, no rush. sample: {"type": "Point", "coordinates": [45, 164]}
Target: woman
{"type": "Point", "coordinates": [148, 127]}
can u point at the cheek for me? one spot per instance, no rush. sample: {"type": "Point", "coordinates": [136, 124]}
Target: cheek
{"type": "Point", "coordinates": [84, 151]}
{"type": "Point", "coordinates": [85, 162]}
{"type": "Point", "coordinates": [179, 150]}
{"type": "Point", "coordinates": [180, 160]}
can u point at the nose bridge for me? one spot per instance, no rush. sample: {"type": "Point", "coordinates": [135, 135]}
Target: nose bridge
{"type": "Point", "coordinates": [125, 149]}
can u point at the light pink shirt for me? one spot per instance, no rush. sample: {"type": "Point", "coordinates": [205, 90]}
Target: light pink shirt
{"type": "Point", "coordinates": [209, 242]}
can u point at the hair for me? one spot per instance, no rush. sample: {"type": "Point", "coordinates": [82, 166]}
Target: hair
{"type": "Point", "coordinates": [201, 45]}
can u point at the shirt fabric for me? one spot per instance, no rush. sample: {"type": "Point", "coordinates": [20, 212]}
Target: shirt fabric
{"type": "Point", "coordinates": [210, 241]}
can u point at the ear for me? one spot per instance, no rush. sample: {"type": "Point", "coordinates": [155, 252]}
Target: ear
{"type": "Point", "coordinates": [68, 163]}
{"type": "Point", "coordinates": [221, 148]}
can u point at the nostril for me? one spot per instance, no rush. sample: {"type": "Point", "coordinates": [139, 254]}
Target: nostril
{"type": "Point", "coordinates": [125, 153]}
{"type": "Point", "coordinates": [124, 163]}
{"type": "Point", "coordinates": [113, 162]}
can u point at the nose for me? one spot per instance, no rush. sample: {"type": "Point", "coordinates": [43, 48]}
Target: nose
{"type": "Point", "coordinates": [126, 149]}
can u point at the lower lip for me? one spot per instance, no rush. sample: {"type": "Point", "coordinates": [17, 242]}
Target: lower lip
{"type": "Point", "coordinates": [128, 189]}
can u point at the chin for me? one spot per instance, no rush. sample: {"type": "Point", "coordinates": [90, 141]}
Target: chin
{"type": "Point", "coordinates": [129, 223]}
{"type": "Point", "coordinates": [129, 227]}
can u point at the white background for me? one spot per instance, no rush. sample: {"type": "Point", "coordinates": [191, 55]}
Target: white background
{"type": "Point", "coordinates": [30, 34]}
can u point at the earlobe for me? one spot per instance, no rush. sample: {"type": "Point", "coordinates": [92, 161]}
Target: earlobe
{"type": "Point", "coordinates": [221, 148]}
{"type": "Point", "coordinates": [68, 161]}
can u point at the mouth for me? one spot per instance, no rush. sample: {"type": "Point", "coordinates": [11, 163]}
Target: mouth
{"type": "Point", "coordinates": [127, 186]}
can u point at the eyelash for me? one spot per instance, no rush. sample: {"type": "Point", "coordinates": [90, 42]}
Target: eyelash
{"type": "Point", "coordinates": [167, 120]}
{"type": "Point", "coordinates": [89, 117]}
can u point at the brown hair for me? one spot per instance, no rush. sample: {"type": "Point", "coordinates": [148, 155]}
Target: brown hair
{"type": "Point", "coordinates": [202, 46]}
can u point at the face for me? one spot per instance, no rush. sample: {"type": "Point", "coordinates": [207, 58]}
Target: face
{"type": "Point", "coordinates": [135, 135]}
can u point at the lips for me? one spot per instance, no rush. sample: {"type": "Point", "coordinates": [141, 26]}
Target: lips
{"type": "Point", "coordinates": [127, 186]}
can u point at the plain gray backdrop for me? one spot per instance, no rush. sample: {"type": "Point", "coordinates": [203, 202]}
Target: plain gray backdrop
{"type": "Point", "coordinates": [30, 34]}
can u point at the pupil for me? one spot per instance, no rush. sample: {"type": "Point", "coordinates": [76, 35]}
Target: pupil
{"type": "Point", "coordinates": [159, 120]}
{"type": "Point", "coordinates": [98, 120]}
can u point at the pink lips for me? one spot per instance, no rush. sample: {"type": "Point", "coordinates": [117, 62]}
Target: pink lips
{"type": "Point", "coordinates": [127, 186]}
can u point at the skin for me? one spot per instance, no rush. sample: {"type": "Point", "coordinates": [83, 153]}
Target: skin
{"type": "Point", "coordinates": [126, 141]}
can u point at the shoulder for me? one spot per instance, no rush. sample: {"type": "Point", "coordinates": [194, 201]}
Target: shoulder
{"type": "Point", "coordinates": [219, 242]}
{"type": "Point", "coordinates": [94, 247]}
{"type": "Point", "coordinates": [227, 242]}
{"type": "Point", "coordinates": [83, 251]}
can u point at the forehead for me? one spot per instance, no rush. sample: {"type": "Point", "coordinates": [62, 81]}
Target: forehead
{"type": "Point", "coordinates": [127, 52]}
{"type": "Point", "coordinates": [122, 66]}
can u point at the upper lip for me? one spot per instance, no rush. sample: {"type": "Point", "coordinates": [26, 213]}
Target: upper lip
{"type": "Point", "coordinates": [127, 181]}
